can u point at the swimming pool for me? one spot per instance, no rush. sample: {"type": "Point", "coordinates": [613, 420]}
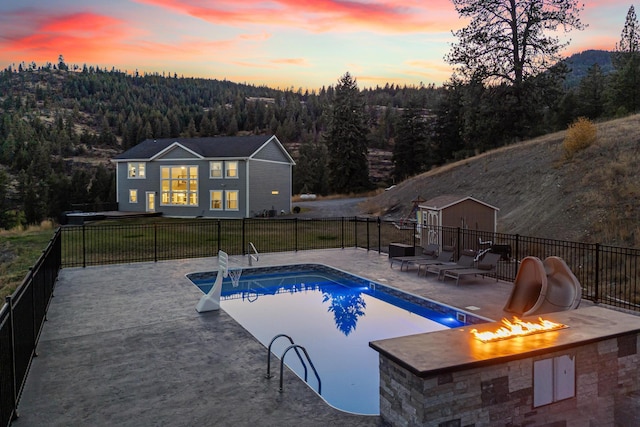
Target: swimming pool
{"type": "Point", "coordinates": [334, 316]}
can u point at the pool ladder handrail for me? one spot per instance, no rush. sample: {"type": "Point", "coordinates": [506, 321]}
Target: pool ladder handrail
{"type": "Point", "coordinates": [252, 257]}
{"type": "Point", "coordinates": [296, 348]}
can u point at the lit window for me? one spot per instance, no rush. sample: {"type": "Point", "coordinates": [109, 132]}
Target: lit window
{"type": "Point", "coordinates": [231, 169]}
{"type": "Point", "coordinates": [232, 200]}
{"type": "Point", "coordinates": [275, 192]}
{"type": "Point", "coordinates": [179, 185]}
{"type": "Point", "coordinates": [135, 170]}
{"type": "Point", "coordinates": [133, 196]}
{"type": "Point", "coordinates": [215, 169]}
{"type": "Point", "coordinates": [216, 200]}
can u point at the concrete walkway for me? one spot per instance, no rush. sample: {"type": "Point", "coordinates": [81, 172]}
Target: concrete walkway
{"type": "Point", "coordinates": [124, 345]}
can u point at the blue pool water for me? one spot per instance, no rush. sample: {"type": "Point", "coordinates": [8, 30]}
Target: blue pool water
{"type": "Point", "coordinates": [334, 316]}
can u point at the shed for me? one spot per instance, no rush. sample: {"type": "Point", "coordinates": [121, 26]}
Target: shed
{"type": "Point", "coordinates": [455, 211]}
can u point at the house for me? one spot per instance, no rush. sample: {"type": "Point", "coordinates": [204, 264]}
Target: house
{"type": "Point", "coordinates": [220, 177]}
{"type": "Point", "coordinates": [454, 211]}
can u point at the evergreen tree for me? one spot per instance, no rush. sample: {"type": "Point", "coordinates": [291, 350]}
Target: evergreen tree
{"type": "Point", "coordinates": [625, 87]}
{"type": "Point", "coordinates": [411, 151]}
{"type": "Point", "coordinates": [310, 172]}
{"type": "Point", "coordinates": [591, 93]}
{"type": "Point", "coordinates": [347, 139]}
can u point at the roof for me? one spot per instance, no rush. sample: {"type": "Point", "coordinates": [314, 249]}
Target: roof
{"type": "Point", "coordinates": [213, 147]}
{"type": "Point", "coordinates": [445, 201]}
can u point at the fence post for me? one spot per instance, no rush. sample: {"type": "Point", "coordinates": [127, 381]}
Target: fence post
{"type": "Point", "coordinates": [379, 238]}
{"type": "Point", "coordinates": [597, 284]}
{"type": "Point", "coordinates": [14, 386]}
{"type": "Point", "coordinates": [415, 230]}
{"type": "Point", "coordinates": [84, 248]}
{"type": "Point", "coordinates": [458, 250]}
{"type": "Point", "coordinates": [155, 242]}
{"type": "Point", "coordinates": [355, 227]}
{"type": "Point", "coordinates": [368, 237]}
{"type": "Point", "coordinates": [342, 231]}
{"type": "Point", "coordinates": [219, 237]}
{"type": "Point", "coordinates": [295, 232]}
{"type": "Point", "coordinates": [243, 237]}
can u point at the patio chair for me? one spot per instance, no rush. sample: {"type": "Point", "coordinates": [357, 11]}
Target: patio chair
{"type": "Point", "coordinates": [466, 260]}
{"type": "Point", "coordinates": [486, 266]}
{"type": "Point", "coordinates": [429, 252]}
{"type": "Point", "coordinates": [445, 256]}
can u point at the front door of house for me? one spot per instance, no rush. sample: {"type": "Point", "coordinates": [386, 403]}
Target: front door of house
{"type": "Point", "coordinates": [151, 201]}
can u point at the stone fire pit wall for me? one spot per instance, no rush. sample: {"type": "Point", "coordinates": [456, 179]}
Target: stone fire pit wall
{"type": "Point", "coordinates": [581, 375]}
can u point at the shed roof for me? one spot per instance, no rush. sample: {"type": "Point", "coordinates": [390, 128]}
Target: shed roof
{"type": "Point", "coordinates": [212, 147]}
{"type": "Point", "coordinates": [447, 200]}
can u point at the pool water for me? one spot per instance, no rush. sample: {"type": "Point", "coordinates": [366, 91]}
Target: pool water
{"type": "Point", "coordinates": [334, 318]}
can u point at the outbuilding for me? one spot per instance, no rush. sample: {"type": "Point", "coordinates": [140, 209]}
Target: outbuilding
{"type": "Point", "coordinates": [465, 212]}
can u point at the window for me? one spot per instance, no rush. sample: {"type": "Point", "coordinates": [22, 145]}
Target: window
{"type": "Point", "coordinates": [135, 170]}
{"type": "Point", "coordinates": [216, 200]}
{"type": "Point", "coordinates": [179, 185]}
{"type": "Point", "coordinates": [232, 200]}
{"type": "Point", "coordinates": [231, 169]}
{"type": "Point", "coordinates": [215, 170]}
{"type": "Point", "coordinates": [133, 196]}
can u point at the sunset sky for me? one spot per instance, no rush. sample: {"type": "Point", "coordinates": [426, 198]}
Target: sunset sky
{"type": "Point", "coordinates": [279, 43]}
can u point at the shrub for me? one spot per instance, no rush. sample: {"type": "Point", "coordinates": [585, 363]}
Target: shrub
{"type": "Point", "coordinates": [580, 135]}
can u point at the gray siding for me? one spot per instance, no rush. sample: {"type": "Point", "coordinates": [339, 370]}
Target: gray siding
{"type": "Point", "coordinates": [265, 177]}
{"type": "Point", "coordinates": [272, 152]}
{"type": "Point", "coordinates": [178, 153]}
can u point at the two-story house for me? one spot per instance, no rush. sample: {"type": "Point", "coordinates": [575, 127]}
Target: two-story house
{"type": "Point", "coordinates": [220, 177]}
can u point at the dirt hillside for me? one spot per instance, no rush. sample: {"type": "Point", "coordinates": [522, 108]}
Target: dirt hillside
{"type": "Point", "coordinates": [592, 197]}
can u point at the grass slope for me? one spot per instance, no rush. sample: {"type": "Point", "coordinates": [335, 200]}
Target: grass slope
{"type": "Point", "coordinates": [592, 197]}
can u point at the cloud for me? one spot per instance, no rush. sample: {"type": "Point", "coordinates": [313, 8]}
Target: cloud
{"type": "Point", "coordinates": [318, 16]}
{"type": "Point", "coordinates": [86, 35]}
{"type": "Point", "coordinates": [291, 61]}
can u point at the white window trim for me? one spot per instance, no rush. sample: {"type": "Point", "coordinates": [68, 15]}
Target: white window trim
{"type": "Point", "coordinates": [137, 169]}
{"type": "Point", "coordinates": [222, 170]}
{"type": "Point", "coordinates": [226, 200]}
{"type": "Point", "coordinates": [226, 169]}
{"type": "Point", "coordinates": [222, 201]}
{"type": "Point", "coordinates": [187, 192]}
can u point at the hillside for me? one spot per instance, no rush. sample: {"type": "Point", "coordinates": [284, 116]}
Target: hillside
{"type": "Point", "coordinates": [594, 197]}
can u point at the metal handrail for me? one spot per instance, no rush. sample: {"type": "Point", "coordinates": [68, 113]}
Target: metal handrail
{"type": "Point", "coordinates": [296, 348]}
{"type": "Point", "coordinates": [251, 256]}
{"type": "Point", "coordinates": [268, 375]}
{"type": "Point", "coordinates": [304, 350]}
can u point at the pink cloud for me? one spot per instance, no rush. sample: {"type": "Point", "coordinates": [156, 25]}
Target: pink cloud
{"type": "Point", "coordinates": [321, 15]}
{"type": "Point", "coordinates": [291, 61]}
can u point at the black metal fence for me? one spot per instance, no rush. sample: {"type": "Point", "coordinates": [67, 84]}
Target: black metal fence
{"type": "Point", "coordinates": [607, 274]}
{"type": "Point", "coordinates": [21, 321]}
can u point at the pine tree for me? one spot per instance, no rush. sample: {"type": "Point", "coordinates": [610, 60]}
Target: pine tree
{"type": "Point", "coordinates": [347, 139]}
{"type": "Point", "coordinates": [411, 149]}
{"type": "Point", "coordinates": [625, 93]}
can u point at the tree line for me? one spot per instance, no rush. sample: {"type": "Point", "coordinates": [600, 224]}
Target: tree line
{"type": "Point", "coordinates": [54, 114]}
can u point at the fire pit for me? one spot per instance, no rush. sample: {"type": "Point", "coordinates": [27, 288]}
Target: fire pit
{"type": "Point", "coordinates": [520, 371]}
{"type": "Point", "coordinates": [517, 328]}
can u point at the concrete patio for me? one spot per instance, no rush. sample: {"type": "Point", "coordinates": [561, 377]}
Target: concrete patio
{"type": "Point", "coordinates": [124, 345]}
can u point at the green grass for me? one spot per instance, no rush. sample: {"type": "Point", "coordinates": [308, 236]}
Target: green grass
{"type": "Point", "coordinates": [19, 251]}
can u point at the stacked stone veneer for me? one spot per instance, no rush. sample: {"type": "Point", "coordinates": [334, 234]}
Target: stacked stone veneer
{"type": "Point", "coordinates": [502, 394]}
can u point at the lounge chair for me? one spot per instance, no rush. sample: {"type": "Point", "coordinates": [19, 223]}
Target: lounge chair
{"type": "Point", "coordinates": [486, 266]}
{"type": "Point", "coordinates": [445, 256]}
{"type": "Point", "coordinates": [466, 260]}
{"type": "Point", "coordinates": [428, 253]}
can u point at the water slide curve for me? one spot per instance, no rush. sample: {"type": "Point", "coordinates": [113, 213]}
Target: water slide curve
{"type": "Point", "coordinates": [543, 287]}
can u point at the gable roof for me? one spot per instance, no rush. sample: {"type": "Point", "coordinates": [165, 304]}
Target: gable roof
{"type": "Point", "coordinates": [445, 201]}
{"type": "Point", "coordinates": [213, 147]}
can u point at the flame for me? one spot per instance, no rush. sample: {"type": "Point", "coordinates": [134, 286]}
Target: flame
{"type": "Point", "coordinates": [517, 328]}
